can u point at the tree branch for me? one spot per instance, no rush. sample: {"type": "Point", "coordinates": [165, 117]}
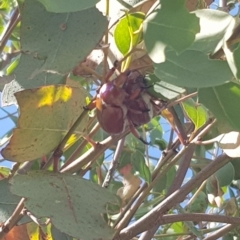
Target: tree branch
{"type": "Point", "coordinates": [154, 217]}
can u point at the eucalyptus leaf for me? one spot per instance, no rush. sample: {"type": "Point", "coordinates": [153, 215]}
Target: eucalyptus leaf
{"type": "Point", "coordinates": [62, 197]}
{"type": "Point", "coordinates": [223, 102]}
{"type": "Point", "coordinates": [61, 6]}
{"type": "Point", "coordinates": [171, 25]}
{"type": "Point", "coordinates": [193, 69]}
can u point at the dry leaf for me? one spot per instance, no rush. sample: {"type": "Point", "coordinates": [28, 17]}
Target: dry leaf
{"type": "Point", "coordinates": [17, 233]}
{"type": "Point", "coordinates": [131, 183]}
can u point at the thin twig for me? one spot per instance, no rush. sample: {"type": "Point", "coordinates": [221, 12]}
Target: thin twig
{"type": "Point", "coordinates": [92, 154]}
{"type": "Point", "coordinates": [173, 103]}
{"type": "Point", "coordinates": [114, 164]}
{"type": "Point", "coordinates": [197, 217]}
{"type": "Point", "coordinates": [58, 151]}
{"type": "Point", "coordinates": [153, 217]}
{"type": "Point", "coordinates": [176, 184]}
{"type": "Point", "coordinates": [13, 219]}
{"type": "Point", "coordinates": [178, 124]}
{"type": "Point", "coordinates": [221, 232]}
{"type": "Point", "coordinates": [196, 193]}
{"type": "Point", "coordinates": [15, 18]}
{"type": "Point", "coordinates": [81, 146]}
{"type": "Point", "coordinates": [158, 172]}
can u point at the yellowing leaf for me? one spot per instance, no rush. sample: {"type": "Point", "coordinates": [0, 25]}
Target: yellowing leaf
{"type": "Point", "coordinates": [71, 141]}
{"type": "Point", "coordinates": [48, 95]}
{"type": "Point", "coordinates": [46, 115]}
{"type": "Point", "coordinates": [35, 233]}
{"type": "Point", "coordinates": [131, 183]}
{"type": "Point", "coordinates": [167, 115]}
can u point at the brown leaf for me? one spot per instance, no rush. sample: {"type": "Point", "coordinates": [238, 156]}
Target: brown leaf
{"type": "Point", "coordinates": [17, 233]}
{"type": "Point", "coordinates": [92, 61]}
{"type": "Point", "coordinates": [131, 183]}
{"type": "Point", "coordinates": [230, 207]}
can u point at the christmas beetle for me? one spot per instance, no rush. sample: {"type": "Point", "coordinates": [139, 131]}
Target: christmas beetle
{"type": "Point", "coordinates": [124, 103]}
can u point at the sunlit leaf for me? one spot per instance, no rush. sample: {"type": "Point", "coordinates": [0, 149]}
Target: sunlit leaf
{"type": "Point", "coordinates": [171, 25]}
{"type": "Point", "coordinates": [46, 114]}
{"type": "Point", "coordinates": [195, 112]}
{"type": "Point", "coordinates": [215, 28]}
{"type": "Point", "coordinates": [193, 69]}
{"type": "Point", "coordinates": [233, 58]}
{"type": "Point", "coordinates": [161, 89]}
{"type": "Point", "coordinates": [128, 31]}
{"type": "Point", "coordinates": [229, 143]}
{"type": "Point", "coordinates": [53, 43]}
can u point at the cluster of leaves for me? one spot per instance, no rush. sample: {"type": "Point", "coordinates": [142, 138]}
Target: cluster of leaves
{"type": "Point", "coordinates": [52, 50]}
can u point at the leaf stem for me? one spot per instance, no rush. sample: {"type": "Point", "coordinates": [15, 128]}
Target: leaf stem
{"type": "Point", "coordinates": [154, 217]}
{"type": "Point", "coordinates": [15, 18]}
{"type": "Point", "coordinates": [114, 164]}
{"type": "Point", "coordinates": [13, 219]}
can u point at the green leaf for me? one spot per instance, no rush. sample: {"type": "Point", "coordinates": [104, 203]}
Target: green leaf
{"type": "Point", "coordinates": [163, 89]}
{"type": "Point", "coordinates": [192, 69]}
{"type": "Point", "coordinates": [58, 235]}
{"type": "Point", "coordinates": [11, 67]}
{"type": "Point", "coordinates": [58, 40]}
{"type": "Point", "coordinates": [233, 58]}
{"type": "Point", "coordinates": [228, 237]}
{"type": "Point", "coordinates": [62, 197]}
{"type": "Point", "coordinates": [171, 174]}
{"type": "Point", "coordinates": [128, 31]}
{"type": "Point", "coordinates": [46, 115]}
{"type": "Point", "coordinates": [236, 56]}
{"type": "Point", "coordinates": [8, 203]}
{"type": "Point", "coordinates": [177, 227]}
{"type": "Point", "coordinates": [125, 158]}
{"type": "Point", "coordinates": [215, 27]}
{"type": "Point", "coordinates": [199, 204]}
{"type": "Point", "coordinates": [4, 172]}
{"type": "Point", "coordinates": [61, 6]}
{"type": "Point", "coordinates": [171, 25]}
{"type": "Point", "coordinates": [139, 165]}
{"type": "Point", "coordinates": [221, 176]}
{"type": "Point", "coordinates": [236, 164]}
{"type": "Point", "coordinates": [160, 185]}
{"type": "Point", "coordinates": [195, 112]}
{"type": "Point", "coordinates": [52, 44]}
{"type": "Point", "coordinates": [223, 102]}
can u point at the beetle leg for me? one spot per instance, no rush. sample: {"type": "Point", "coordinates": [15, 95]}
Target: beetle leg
{"type": "Point", "coordinates": [135, 94]}
{"type": "Point", "coordinates": [135, 133]}
{"type": "Point", "coordinates": [111, 71]}
{"type": "Point", "coordinates": [138, 111]}
{"type": "Point", "coordinates": [90, 106]}
{"type": "Point", "coordinates": [96, 103]}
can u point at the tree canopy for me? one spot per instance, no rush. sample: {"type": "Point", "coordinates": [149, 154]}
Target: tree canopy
{"type": "Point", "coordinates": [127, 123]}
